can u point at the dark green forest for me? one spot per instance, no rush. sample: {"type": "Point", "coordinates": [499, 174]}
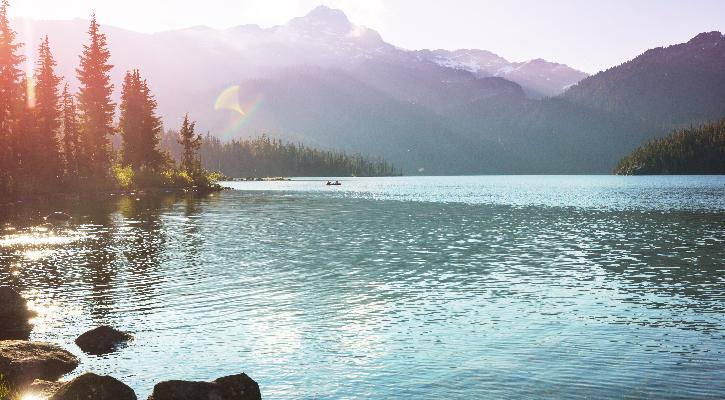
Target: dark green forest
{"type": "Point", "coordinates": [696, 150]}
{"type": "Point", "coordinates": [267, 157]}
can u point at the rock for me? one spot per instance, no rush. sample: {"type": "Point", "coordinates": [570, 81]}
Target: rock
{"type": "Point", "coordinates": [102, 340]}
{"type": "Point", "coordinates": [14, 315]}
{"type": "Point", "coordinates": [22, 362]}
{"type": "Point", "coordinates": [43, 389]}
{"type": "Point", "coordinates": [234, 387]}
{"type": "Point", "coordinates": [58, 218]}
{"type": "Point", "coordinates": [90, 386]}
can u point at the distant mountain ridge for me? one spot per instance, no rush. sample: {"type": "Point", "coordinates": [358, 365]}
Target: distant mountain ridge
{"type": "Point", "coordinates": [676, 85]}
{"type": "Point", "coordinates": [323, 81]}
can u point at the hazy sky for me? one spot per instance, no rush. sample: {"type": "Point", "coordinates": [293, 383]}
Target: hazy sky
{"type": "Point", "coordinates": [589, 35]}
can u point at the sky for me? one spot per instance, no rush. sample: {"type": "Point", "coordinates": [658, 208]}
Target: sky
{"type": "Point", "coordinates": [585, 34]}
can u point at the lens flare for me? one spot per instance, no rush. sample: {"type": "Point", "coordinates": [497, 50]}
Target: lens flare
{"type": "Point", "coordinates": [30, 91]}
{"type": "Point", "coordinates": [29, 63]}
{"type": "Point", "coordinates": [229, 100]}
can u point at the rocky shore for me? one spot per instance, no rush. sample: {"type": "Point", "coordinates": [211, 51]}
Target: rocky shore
{"type": "Point", "coordinates": [29, 367]}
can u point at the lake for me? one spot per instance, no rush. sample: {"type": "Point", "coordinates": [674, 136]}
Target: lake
{"type": "Point", "coordinates": [411, 287]}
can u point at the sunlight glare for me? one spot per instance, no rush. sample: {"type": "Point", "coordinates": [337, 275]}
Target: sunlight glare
{"type": "Point", "coordinates": [229, 100]}
{"type": "Point", "coordinates": [31, 396]}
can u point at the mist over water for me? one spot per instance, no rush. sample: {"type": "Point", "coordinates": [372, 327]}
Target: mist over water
{"type": "Point", "coordinates": [413, 287]}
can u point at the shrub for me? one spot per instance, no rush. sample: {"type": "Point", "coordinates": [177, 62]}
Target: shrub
{"type": "Point", "coordinates": [124, 176]}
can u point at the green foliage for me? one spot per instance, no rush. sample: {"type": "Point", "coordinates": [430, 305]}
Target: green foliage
{"type": "Point", "coordinates": [699, 150]}
{"type": "Point", "coordinates": [124, 176]}
{"type": "Point", "coordinates": [128, 178]}
{"type": "Point", "coordinates": [217, 176]}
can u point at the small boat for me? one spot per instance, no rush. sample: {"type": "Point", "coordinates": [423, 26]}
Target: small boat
{"type": "Point", "coordinates": [336, 183]}
{"type": "Point", "coordinates": [58, 218]}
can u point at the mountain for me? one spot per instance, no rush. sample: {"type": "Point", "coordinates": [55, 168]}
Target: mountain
{"type": "Point", "coordinates": [667, 86]}
{"type": "Point", "coordinates": [324, 81]}
{"type": "Point", "coordinates": [538, 77]}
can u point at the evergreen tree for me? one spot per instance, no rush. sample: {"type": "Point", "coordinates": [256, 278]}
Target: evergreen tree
{"type": "Point", "coordinates": [139, 125]}
{"type": "Point", "coordinates": [45, 149]}
{"type": "Point", "coordinates": [94, 102]}
{"type": "Point", "coordinates": [190, 143]}
{"type": "Point", "coordinates": [71, 134]}
{"type": "Point", "coordinates": [10, 92]}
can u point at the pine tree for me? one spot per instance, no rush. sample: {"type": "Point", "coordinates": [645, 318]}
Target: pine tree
{"type": "Point", "coordinates": [71, 134]}
{"type": "Point", "coordinates": [94, 102]}
{"type": "Point", "coordinates": [139, 125]}
{"type": "Point", "coordinates": [191, 144]}
{"type": "Point", "coordinates": [10, 92]}
{"type": "Point", "coordinates": [45, 147]}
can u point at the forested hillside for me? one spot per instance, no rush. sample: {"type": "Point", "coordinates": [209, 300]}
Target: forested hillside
{"type": "Point", "coordinates": [267, 157]}
{"type": "Point", "coordinates": [698, 151]}
{"type": "Point", "coordinates": [668, 87]}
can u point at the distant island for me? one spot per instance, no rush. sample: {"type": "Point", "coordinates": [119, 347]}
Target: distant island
{"type": "Point", "coordinates": [696, 151]}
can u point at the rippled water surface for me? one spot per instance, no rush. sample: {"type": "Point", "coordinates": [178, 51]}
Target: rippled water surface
{"type": "Point", "coordinates": [454, 287]}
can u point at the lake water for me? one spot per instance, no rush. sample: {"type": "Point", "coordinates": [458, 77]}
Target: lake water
{"type": "Point", "coordinates": [407, 288]}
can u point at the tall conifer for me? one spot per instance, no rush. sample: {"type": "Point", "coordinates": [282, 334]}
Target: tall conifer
{"type": "Point", "coordinates": [10, 93]}
{"type": "Point", "coordinates": [190, 143]}
{"type": "Point", "coordinates": [71, 134]}
{"type": "Point", "coordinates": [48, 118]}
{"type": "Point", "coordinates": [94, 101]}
{"type": "Point", "coordinates": [139, 125]}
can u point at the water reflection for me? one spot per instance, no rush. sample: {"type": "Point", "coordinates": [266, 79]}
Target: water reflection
{"type": "Point", "coordinates": [114, 248]}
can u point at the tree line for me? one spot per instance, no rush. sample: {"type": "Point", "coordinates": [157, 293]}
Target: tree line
{"type": "Point", "coordinates": [52, 139]}
{"type": "Point", "coordinates": [268, 157]}
{"type": "Point", "coordinates": [695, 150]}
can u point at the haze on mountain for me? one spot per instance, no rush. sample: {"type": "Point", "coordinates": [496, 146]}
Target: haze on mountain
{"type": "Point", "coordinates": [324, 81]}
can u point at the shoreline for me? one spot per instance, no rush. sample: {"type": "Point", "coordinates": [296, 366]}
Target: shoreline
{"type": "Point", "coordinates": [65, 196]}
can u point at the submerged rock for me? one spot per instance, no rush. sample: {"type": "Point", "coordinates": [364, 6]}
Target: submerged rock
{"type": "Point", "coordinates": [14, 315]}
{"type": "Point", "coordinates": [234, 387]}
{"type": "Point", "coordinates": [58, 218]}
{"type": "Point", "coordinates": [102, 340]}
{"type": "Point", "coordinates": [90, 386]}
{"type": "Point", "coordinates": [22, 362]}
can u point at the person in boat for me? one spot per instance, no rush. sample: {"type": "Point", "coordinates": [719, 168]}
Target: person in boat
{"type": "Point", "coordinates": [338, 183]}
{"type": "Point", "coordinates": [329, 183]}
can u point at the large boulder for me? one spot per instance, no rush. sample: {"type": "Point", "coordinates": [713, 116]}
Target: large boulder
{"type": "Point", "coordinates": [43, 389]}
{"type": "Point", "coordinates": [90, 386]}
{"type": "Point", "coordinates": [234, 387]}
{"type": "Point", "coordinates": [102, 340]}
{"type": "Point", "coordinates": [14, 315]}
{"type": "Point", "coordinates": [21, 362]}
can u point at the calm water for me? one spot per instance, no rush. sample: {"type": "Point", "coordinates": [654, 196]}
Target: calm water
{"type": "Point", "coordinates": [455, 287]}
